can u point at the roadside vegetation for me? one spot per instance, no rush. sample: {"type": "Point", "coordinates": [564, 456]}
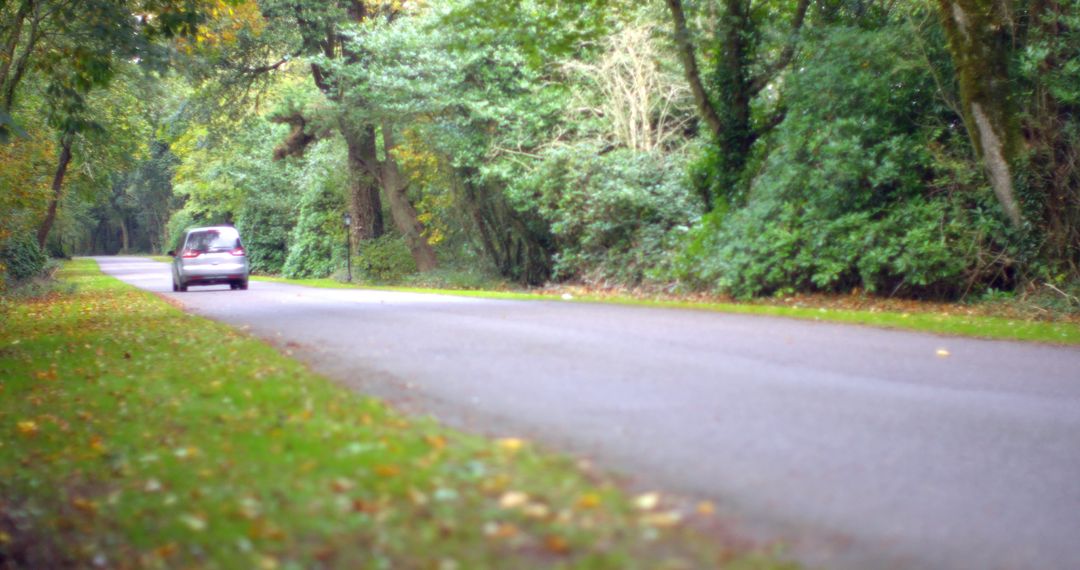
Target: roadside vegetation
{"type": "Point", "coordinates": [741, 149]}
{"type": "Point", "coordinates": [133, 435]}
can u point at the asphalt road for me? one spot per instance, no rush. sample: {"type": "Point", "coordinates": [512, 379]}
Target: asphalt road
{"type": "Point", "coordinates": [858, 447]}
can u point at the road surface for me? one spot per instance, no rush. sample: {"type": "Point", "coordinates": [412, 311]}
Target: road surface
{"type": "Point", "coordinates": [858, 447]}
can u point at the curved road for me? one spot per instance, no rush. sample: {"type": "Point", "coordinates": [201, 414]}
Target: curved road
{"type": "Point", "coordinates": [858, 447]}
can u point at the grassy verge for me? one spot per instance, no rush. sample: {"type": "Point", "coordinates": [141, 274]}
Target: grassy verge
{"type": "Point", "coordinates": [133, 435]}
{"type": "Point", "coordinates": [935, 321]}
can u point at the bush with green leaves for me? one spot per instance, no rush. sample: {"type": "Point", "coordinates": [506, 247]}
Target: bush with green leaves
{"type": "Point", "coordinates": [615, 215]}
{"type": "Point", "coordinates": [853, 196]}
{"type": "Point", "coordinates": [385, 260]}
{"type": "Point", "coordinates": [21, 258]}
{"type": "Point", "coordinates": [317, 243]}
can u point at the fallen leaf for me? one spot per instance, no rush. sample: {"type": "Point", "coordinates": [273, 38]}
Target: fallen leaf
{"type": "Point", "coordinates": [513, 499]}
{"type": "Point", "coordinates": [510, 444]}
{"type": "Point", "coordinates": [500, 530]}
{"type": "Point", "coordinates": [387, 470]}
{"type": "Point", "coordinates": [662, 519]}
{"type": "Point", "coordinates": [588, 501]}
{"type": "Point", "coordinates": [647, 501]}
{"type": "Point", "coordinates": [194, 522]}
{"type": "Point", "coordinates": [28, 428]}
{"type": "Point", "coordinates": [706, 508]}
{"type": "Point", "coordinates": [556, 544]}
{"type": "Point", "coordinates": [341, 485]}
{"type": "Point", "coordinates": [943, 353]}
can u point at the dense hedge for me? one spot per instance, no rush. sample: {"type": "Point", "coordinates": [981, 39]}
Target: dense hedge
{"type": "Point", "coordinates": [21, 258]}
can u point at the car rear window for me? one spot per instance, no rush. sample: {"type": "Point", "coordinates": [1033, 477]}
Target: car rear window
{"type": "Point", "coordinates": [213, 240]}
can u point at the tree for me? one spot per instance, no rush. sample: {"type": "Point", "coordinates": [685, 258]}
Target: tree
{"type": "Point", "coordinates": [726, 111]}
{"type": "Point", "coordinates": [979, 39]}
{"type": "Point", "coordinates": [74, 47]}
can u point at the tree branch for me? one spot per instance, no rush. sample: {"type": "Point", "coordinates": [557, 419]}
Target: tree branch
{"type": "Point", "coordinates": [689, 62]}
{"type": "Point", "coordinates": [273, 66]}
{"type": "Point", "coordinates": [786, 55]}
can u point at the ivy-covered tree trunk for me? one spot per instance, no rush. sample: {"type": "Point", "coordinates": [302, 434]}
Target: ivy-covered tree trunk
{"type": "Point", "coordinates": [727, 112]}
{"type": "Point", "coordinates": [66, 140]}
{"type": "Point", "coordinates": [403, 212]}
{"type": "Point", "coordinates": [979, 41]}
{"type": "Point", "coordinates": [364, 205]}
{"type": "Point", "coordinates": [733, 82]}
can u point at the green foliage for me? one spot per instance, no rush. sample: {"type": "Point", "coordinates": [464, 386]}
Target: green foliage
{"type": "Point", "coordinates": [179, 223]}
{"type": "Point", "coordinates": [265, 224]}
{"type": "Point", "coordinates": [612, 214]}
{"type": "Point", "coordinates": [845, 200]}
{"type": "Point", "coordinates": [384, 260]}
{"type": "Point", "coordinates": [21, 258]}
{"type": "Point", "coordinates": [316, 247]}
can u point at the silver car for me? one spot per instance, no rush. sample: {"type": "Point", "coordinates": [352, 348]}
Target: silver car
{"type": "Point", "coordinates": [210, 256]}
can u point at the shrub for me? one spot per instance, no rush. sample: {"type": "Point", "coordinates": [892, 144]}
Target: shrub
{"type": "Point", "coordinates": [21, 258]}
{"type": "Point", "coordinates": [265, 223]}
{"type": "Point", "coordinates": [386, 259]}
{"type": "Point", "coordinates": [853, 194]}
{"type": "Point", "coordinates": [614, 214]}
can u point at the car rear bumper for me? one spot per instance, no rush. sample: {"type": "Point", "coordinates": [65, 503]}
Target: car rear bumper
{"type": "Point", "coordinates": [208, 274]}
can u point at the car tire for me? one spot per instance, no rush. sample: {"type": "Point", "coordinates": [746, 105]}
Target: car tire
{"type": "Point", "coordinates": [243, 285]}
{"type": "Point", "coordinates": [182, 287]}
{"type": "Point", "coordinates": [175, 288]}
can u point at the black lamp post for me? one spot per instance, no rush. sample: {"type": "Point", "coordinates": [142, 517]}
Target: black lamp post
{"type": "Point", "coordinates": [348, 244]}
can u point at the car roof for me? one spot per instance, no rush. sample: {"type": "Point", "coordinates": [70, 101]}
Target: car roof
{"type": "Point", "coordinates": [213, 228]}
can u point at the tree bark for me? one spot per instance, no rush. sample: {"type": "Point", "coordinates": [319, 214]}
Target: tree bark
{"type": "Point", "coordinates": [8, 83]}
{"type": "Point", "coordinates": [979, 40]}
{"type": "Point", "coordinates": [685, 47]}
{"type": "Point", "coordinates": [57, 187]}
{"type": "Point", "coordinates": [8, 56]}
{"type": "Point", "coordinates": [125, 237]}
{"type": "Point", "coordinates": [364, 205]}
{"type": "Point", "coordinates": [401, 209]}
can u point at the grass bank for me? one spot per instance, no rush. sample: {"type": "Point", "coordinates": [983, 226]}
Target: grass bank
{"type": "Point", "coordinates": [914, 316]}
{"type": "Point", "coordinates": [133, 435]}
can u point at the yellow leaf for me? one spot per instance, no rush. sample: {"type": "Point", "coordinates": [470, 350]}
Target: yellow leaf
{"type": "Point", "coordinates": [387, 470]}
{"type": "Point", "coordinates": [706, 508]}
{"type": "Point", "coordinates": [28, 428]}
{"type": "Point", "coordinates": [588, 501]}
{"type": "Point", "coordinates": [510, 444]}
{"type": "Point", "coordinates": [943, 353]}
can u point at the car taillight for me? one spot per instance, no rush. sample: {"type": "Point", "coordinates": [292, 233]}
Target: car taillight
{"type": "Point", "coordinates": [191, 253]}
{"type": "Point", "coordinates": [238, 251]}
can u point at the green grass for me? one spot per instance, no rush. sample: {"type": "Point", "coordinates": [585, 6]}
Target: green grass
{"type": "Point", "coordinates": [133, 435]}
{"type": "Point", "coordinates": [979, 326]}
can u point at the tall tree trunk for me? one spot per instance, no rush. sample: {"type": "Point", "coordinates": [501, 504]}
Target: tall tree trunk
{"type": "Point", "coordinates": [401, 209]}
{"type": "Point", "coordinates": [125, 237]}
{"type": "Point", "coordinates": [979, 40]}
{"type": "Point", "coordinates": [685, 48]}
{"type": "Point", "coordinates": [7, 57]}
{"type": "Point", "coordinates": [14, 68]}
{"type": "Point", "coordinates": [64, 159]}
{"type": "Point", "coordinates": [727, 114]}
{"type": "Point", "coordinates": [364, 205]}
